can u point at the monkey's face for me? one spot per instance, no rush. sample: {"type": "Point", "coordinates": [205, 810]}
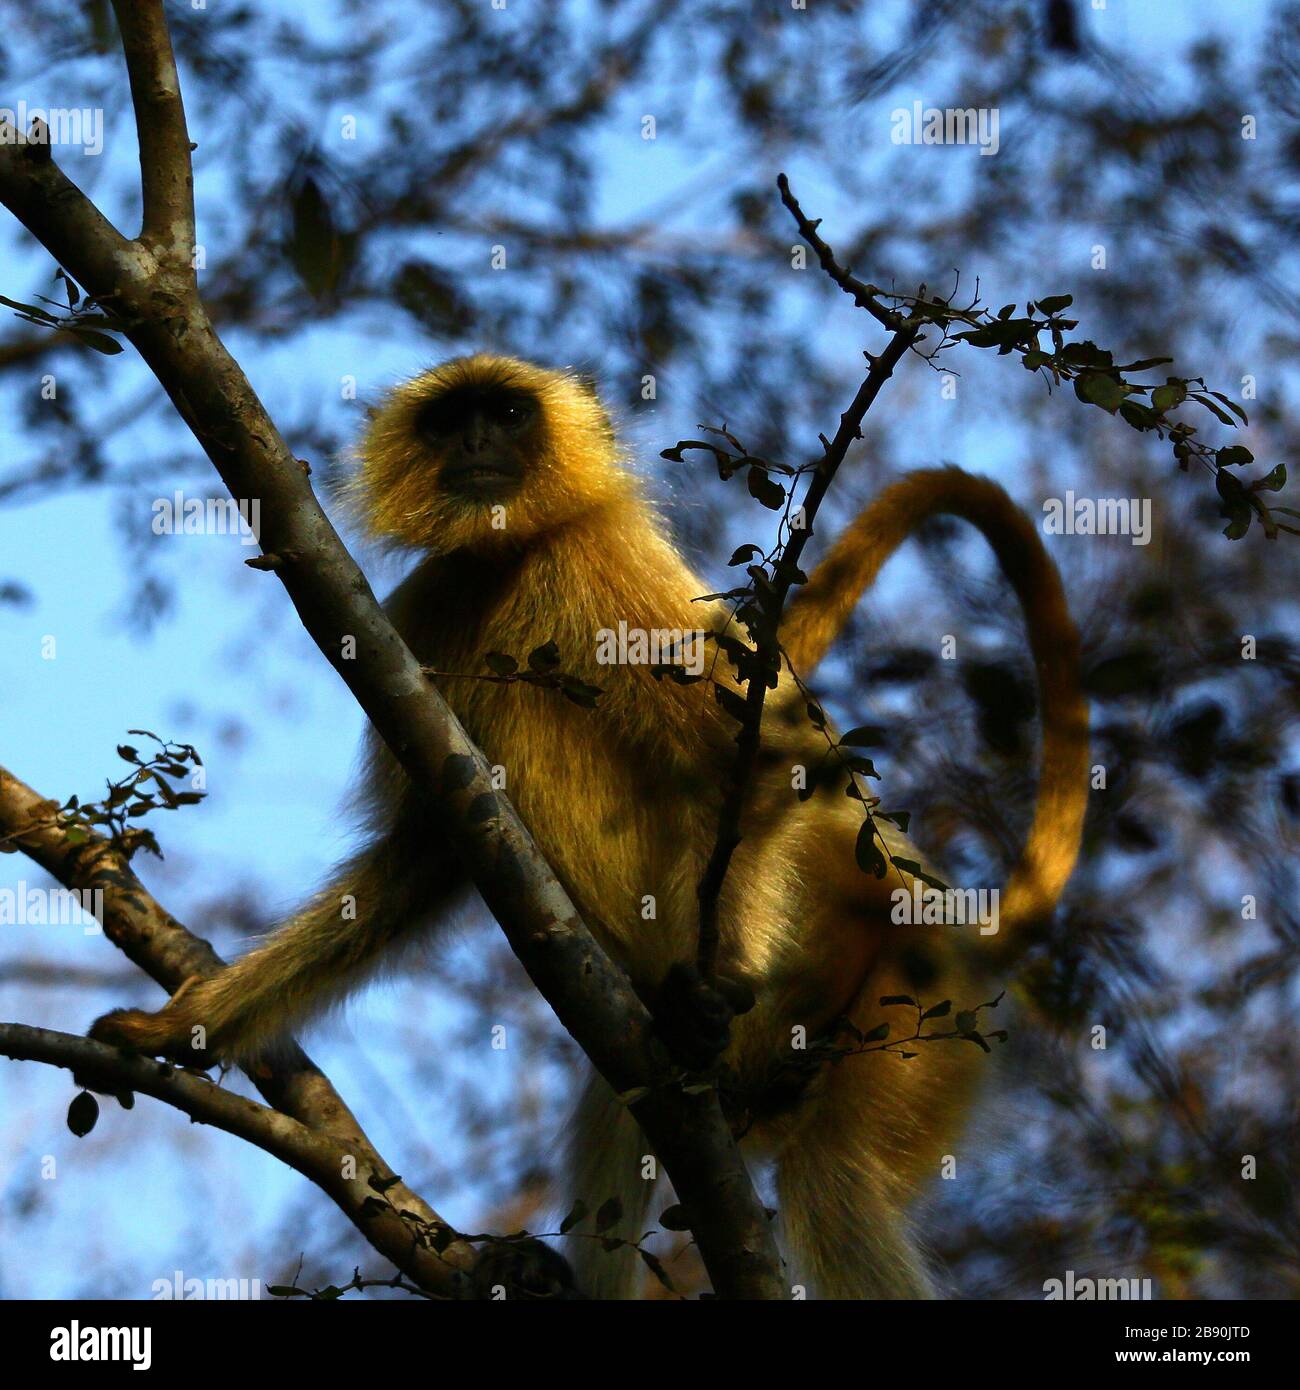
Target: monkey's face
{"type": "Point", "coordinates": [485, 438]}
{"type": "Point", "coordinates": [485, 453]}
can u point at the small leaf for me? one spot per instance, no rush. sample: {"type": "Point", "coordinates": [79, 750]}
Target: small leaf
{"type": "Point", "coordinates": [868, 854]}
{"type": "Point", "coordinates": [1172, 393]}
{"type": "Point", "coordinates": [544, 658]}
{"type": "Point", "coordinates": [578, 1213]}
{"type": "Point", "coordinates": [1232, 455]}
{"type": "Point", "coordinates": [763, 489]}
{"type": "Point", "coordinates": [82, 1114]}
{"type": "Point", "coordinates": [674, 1219]}
{"type": "Point", "coordinates": [500, 664]}
{"type": "Point", "coordinates": [1213, 409]}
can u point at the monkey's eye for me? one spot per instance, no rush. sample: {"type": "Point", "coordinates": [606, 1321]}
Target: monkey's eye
{"type": "Point", "coordinates": [514, 412]}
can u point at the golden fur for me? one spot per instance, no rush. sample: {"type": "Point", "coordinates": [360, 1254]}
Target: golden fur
{"type": "Point", "coordinates": [624, 802]}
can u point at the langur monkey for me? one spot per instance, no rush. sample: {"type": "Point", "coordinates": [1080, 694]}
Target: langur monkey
{"type": "Point", "coordinates": [510, 478]}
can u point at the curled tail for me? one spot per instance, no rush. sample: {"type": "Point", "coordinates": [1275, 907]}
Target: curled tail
{"type": "Point", "coordinates": [822, 607]}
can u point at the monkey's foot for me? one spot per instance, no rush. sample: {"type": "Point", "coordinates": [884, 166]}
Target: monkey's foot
{"type": "Point", "coordinates": [521, 1269]}
{"type": "Point", "coordinates": [164, 1034]}
{"type": "Point", "coordinates": [167, 1033]}
{"type": "Point", "coordinates": [693, 1014]}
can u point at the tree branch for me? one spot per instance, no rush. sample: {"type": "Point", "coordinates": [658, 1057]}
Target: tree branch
{"type": "Point", "coordinates": [155, 941]}
{"type": "Point", "coordinates": [335, 1166]}
{"type": "Point", "coordinates": [771, 598]}
{"type": "Point", "coordinates": [156, 296]}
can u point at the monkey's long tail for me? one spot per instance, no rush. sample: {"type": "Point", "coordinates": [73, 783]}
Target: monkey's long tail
{"type": "Point", "coordinates": [824, 604]}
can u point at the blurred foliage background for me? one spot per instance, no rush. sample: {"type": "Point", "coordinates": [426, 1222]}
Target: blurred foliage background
{"type": "Point", "coordinates": [354, 171]}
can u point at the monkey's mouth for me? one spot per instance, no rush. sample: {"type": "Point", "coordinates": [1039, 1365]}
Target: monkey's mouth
{"type": "Point", "coordinates": [481, 480]}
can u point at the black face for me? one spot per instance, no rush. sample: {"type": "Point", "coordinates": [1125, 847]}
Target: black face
{"type": "Point", "coordinates": [485, 437]}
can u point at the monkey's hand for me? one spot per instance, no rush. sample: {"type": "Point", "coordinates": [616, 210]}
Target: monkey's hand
{"type": "Point", "coordinates": [521, 1269]}
{"type": "Point", "coordinates": [693, 1014]}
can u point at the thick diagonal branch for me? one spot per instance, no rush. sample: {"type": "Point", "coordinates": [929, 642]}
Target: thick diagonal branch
{"type": "Point", "coordinates": [150, 285]}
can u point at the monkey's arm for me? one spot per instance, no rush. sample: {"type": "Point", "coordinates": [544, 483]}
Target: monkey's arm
{"type": "Point", "coordinates": [387, 891]}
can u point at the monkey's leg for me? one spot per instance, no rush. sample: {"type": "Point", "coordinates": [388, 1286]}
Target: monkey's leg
{"type": "Point", "coordinates": [606, 1158]}
{"type": "Point", "coordinates": [388, 889]}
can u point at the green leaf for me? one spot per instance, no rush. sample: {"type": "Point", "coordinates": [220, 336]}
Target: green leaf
{"type": "Point", "coordinates": [1140, 416]}
{"type": "Point", "coordinates": [82, 1114]}
{"type": "Point", "coordinates": [1231, 455]}
{"type": "Point", "coordinates": [864, 736]}
{"type": "Point", "coordinates": [577, 1214]}
{"type": "Point", "coordinates": [101, 342]}
{"type": "Point", "coordinates": [31, 310]}
{"type": "Point", "coordinates": [1214, 409]}
{"type": "Point", "coordinates": [1232, 406]}
{"type": "Point", "coordinates": [732, 703]}
{"type": "Point", "coordinates": [1273, 481]}
{"type": "Point", "coordinates": [500, 664]}
{"type": "Point", "coordinates": [674, 1219]}
{"type": "Point", "coordinates": [544, 658]}
{"type": "Point", "coordinates": [1086, 354]}
{"type": "Point", "coordinates": [1054, 303]}
{"type": "Point", "coordinates": [763, 489]}
{"type": "Point", "coordinates": [868, 854]}
{"type": "Point", "coordinates": [1100, 389]}
{"type": "Point", "coordinates": [1172, 394]}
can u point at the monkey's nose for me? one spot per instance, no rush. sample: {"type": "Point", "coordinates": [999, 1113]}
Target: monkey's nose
{"type": "Point", "coordinates": [475, 438]}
